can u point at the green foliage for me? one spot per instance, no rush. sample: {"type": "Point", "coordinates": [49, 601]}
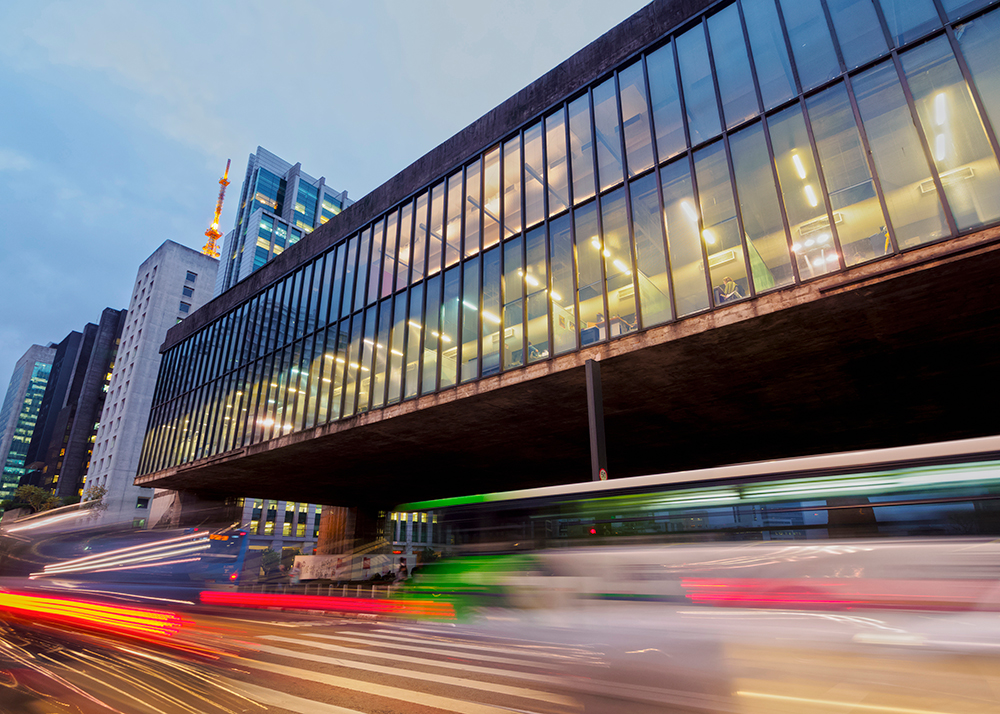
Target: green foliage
{"type": "Point", "coordinates": [269, 560]}
{"type": "Point", "coordinates": [38, 499]}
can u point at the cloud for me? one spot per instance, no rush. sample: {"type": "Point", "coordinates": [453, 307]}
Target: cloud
{"type": "Point", "coordinates": [11, 160]}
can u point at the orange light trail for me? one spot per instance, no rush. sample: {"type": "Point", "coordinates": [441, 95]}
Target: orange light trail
{"type": "Point", "coordinates": [109, 618]}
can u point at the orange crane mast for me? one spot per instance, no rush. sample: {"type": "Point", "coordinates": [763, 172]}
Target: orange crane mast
{"type": "Point", "coordinates": [211, 247]}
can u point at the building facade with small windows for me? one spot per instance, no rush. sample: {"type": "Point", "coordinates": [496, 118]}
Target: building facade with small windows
{"type": "Point", "coordinates": [279, 203]}
{"type": "Point", "coordinates": [19, 413]}
{"type": "Point", "coordinates": [173, 282]}
{"type": "Point", "coordinates": [762, 218]}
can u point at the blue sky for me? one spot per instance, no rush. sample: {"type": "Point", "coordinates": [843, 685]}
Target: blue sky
{"type": "Point", "coordinates": [118, 116]}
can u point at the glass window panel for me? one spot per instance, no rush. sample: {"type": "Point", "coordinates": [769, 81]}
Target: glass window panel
{"type": "Point", "coordinates": [413, 341]}
{"type": "Point", "coordinates": [367, 361]}
{"type": "Point", "coordinates": [375, 271]}
{"type": "Point", "coordinates": [699, 89]}
{"type": "Point", "coordinates": [419, 249]}
{"type": "Point", "coordinates": [635, 118]}
{"type": "Point", "coordinates": [432, 341]}
{"type": "Point", "coordinates": [802, 195]}
{"type": "Point", "coordinates": [314, 277]}
{"type": "Point", "coordinates": [978, 40]}
{"type": "Point", "coordinates": [536, 288]}
{"type": "Point", "coordinates": [555, 155]}
{"type": "Point", "coordinates": [435, 248]}
{"type": "Point", "coordinates": [470, 320]}
{"type": "Point", "coordinates": [958, 8]}
{"type": "Point", "coordinates": [856, 210]}
{"type": "Point", "coordinates": [766, 242]}
{"type": "Point", "coordinates": [396, 354]}
{"type": "Point", "coordinates": [389, 267]}
{"type": "Point", "coordinates": [491, 312]}
{"type": "Point", "coordinates": [320, 386]}
{"type": "Point", "coordinates": [590, 282]}
{"type": "Point", "coordinates": [380, 369]}
{"type": "Point", "coordinates": [962, 154]}
{"type": "Point", "coordinates": [609, 152]}
{"type": "Point", "coordinates": [534, 181]}
{"type": "Point", "coordinates": [858, 30]}
{"type": "Point", "coordinates": [666, 102]}
{"type": "Point", "coordinates": [303, 401]}
{"type": "Point", "coordinates": [650, 252]}
{"type": "Point", "coordinates": [449, 328]}
{"type": "Point", "coordinates": [915, 212]}
{"type": "Point", "coordinates": [720, 229]}
{"type": "Point", "coordinates": [491, 198]}
{"type": "Point", "coordinates": [352, 257]}
{"type": "Point", "coordinates": [729, 50]}
{"type": "Point", "coordinates": [512, 186]}
{"type": "Point", "coordinates": [353, 369]}
{"type": "Point", "coordinates": [453, 226]}
{"type": "Point", "coordinates": [473, 206]}
{"type": "Point", "coordinates": [687, 266]}
{"type": "Point", "coordinates": [618, 268]}
{"type": "Point", "coordinates": [364, 257]}
{"type": "Point", "coordinates": [341, 346]}
{"type": "Point", "coordinates": [811, 42]}
{"type": "Point", "coordinates": [909, 19]}
{"type": "Point", "coordinates": [770, 54]}
{"type": "Point", "coordinates": [513, 308]}
{"type": "Point", "coordinates": [405, 249]}
{"type": "Point", "coordinates": [581, 149]}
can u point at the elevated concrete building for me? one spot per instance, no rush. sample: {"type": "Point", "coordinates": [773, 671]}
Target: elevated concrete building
{"type": "Point", "coordinates": [772, 224]}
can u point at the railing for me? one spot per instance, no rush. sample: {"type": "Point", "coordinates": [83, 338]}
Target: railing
{"type": "Point", "coordinates": [356, 590]}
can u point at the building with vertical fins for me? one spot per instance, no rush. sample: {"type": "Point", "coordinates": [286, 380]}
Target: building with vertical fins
{"type": "Point", "coordinates": [279, 203]}
{"type": "Point", "coordinates": [61, 446]}
{"type": "Point", "coordinates": [774, 225]}
{"type": "Point", "coordinates": [19, 413]}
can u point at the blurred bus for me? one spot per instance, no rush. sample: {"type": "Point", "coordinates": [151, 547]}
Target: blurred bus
{"type": "Point", "coordinates": [901, 527]}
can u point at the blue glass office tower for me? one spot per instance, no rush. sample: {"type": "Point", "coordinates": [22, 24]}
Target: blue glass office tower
{"type": "Point", "coordinates": [279, 203]}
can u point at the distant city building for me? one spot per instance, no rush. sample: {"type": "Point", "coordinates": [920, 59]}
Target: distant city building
{"type": "Point", "coordinates": [63, 440]}
{"type": "Point", "coordinates": [279, 203]}
{"type": "Point", "coordinates": [172, 283]}
{"type": "Point", "coordinates": [19, 413]}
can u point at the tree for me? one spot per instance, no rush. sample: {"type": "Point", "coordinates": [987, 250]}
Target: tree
{"type": "Point", "coordinates": [37, 498]}
{"type": "Point", "coordinates": [97, 494]}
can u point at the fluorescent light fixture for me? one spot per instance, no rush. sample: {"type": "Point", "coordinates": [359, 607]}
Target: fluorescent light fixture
{"type": "Point", "coordinates": [799, 168]}
{"type": "Point", "coordinates": [811, 196]}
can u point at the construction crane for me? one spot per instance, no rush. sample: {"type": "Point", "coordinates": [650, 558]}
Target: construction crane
{"type": "Point", "coordinates": [211, 247]}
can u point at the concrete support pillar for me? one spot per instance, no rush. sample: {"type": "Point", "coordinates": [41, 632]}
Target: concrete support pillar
{"type": "Point", "coordinates": [595, 414]}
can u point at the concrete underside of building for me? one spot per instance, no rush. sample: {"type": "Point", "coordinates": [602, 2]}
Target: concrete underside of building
{"type": "Point", "coordinates": [900, 351]}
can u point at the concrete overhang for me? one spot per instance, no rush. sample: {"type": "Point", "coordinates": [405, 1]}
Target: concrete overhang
{"type": "Point", "coordinates": [900, 351]}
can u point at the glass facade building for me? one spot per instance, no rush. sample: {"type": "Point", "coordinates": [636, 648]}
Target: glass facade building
{"type": "Point", "coordinates": [755, 147]}
{"type": "Point", "coordinates": [19, 414]}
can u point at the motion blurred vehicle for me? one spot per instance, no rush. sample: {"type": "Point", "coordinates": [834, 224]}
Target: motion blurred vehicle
{"type": "Point", "coordinates": [865, 581]}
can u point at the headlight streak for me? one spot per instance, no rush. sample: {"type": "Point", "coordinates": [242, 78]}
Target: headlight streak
{"type": "Point", "coordinates": [147, 547]}
{"type": "Point", "coordinates": [126, 676]}
{"type": "Point", "coordinates": [47, 522]}
{"type": "Point", "coordinates": [842, 705]}
{"type": "Point", "coordinates": [193, 672]}
{"type": "Point", "coordinates": [108, 563]}
{"type": "Point", "coordinates": [122, 692]}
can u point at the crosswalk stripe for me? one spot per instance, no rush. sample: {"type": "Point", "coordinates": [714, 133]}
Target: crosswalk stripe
{"type": "Point", "coordinates": [431, 650]}
{"type": "Point", "coordinates": [544, 679]}
{"type": "Point", "coordinates": [273, 698]}
{"type": "Point", "coordinates": [450, 641]}
{"type": "Point", "coordinates": [381, 690]}
{"type": "Point", "coordinates": [420, 676]}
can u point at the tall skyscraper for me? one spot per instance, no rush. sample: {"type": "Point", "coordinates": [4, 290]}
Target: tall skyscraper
{"type": "Point", "coordinates": [19, 413]}
{"type": "Point", "coordinates": [63, 440]}
{"type": "Point", "coordinates": [172, 282]}
{"type": "Point", "coordinates": [279, 204]}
